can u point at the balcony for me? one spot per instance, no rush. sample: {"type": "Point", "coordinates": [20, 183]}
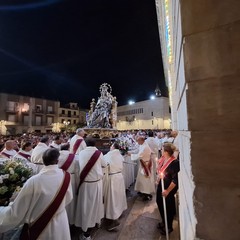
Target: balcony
{"type": "Point", "coordinates": [12, 110]}
{"type": "Point", "coordinates": [50, 113]}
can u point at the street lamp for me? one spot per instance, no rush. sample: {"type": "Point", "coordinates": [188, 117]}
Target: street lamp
{"type": "Point", "coordinates": [66, 123]}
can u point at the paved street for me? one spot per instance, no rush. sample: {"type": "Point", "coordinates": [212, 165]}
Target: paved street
{"type": "Point", "coordinates": [138, 222]}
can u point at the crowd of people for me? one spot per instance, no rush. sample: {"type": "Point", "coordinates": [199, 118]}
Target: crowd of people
{"type": "Point", "coordinates": [75, 184]}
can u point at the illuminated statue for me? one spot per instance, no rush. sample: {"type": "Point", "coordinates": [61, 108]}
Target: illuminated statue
{"type": "Point", "coordinates": [103, 114]}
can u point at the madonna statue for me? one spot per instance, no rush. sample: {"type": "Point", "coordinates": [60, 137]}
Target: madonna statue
{"type": "Point", "coordinates": [103, 114]}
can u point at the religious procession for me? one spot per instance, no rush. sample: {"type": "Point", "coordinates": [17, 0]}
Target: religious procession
{"type": "Point", "coordinates": [72, 186]}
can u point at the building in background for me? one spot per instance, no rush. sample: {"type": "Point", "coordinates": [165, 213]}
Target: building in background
{"type": "Point", "coordinates": [26, 114]}
{"type": "Point", "coordinates": [200, 44]}
{"type": "Point", "coordinates": [149, 114]}
{"type": "Point", "coordinates": [71, 116]}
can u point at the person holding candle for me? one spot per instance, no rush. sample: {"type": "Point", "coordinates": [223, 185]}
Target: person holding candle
{"type": "Point", "coordinates": [168, 168]}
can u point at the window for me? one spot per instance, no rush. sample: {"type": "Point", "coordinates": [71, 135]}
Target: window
{"type": "Point", "coordinates": [25, 107]}
{"type": "Point", "coordinates": [74, 113]}
{"type": "Point", "coordinates": [25, 120]}
{"type": "Point", "coordinates": [152, 114]}
{"type": "Point", "coordinates": [12, 106]}
{"type": "Point", "coordinates": [152, 122]}
{"type": "Point", "coordinates": [63, 120]}
{"type": "Point", "coordinates": [38, 120]}
{"type": "Point", "coordinates": [69, 120]}
{"type": "Point", "coordinates": [63, 111]}
{"type": "Point", "coordinates": [74, 122]}
{"type": "Point", "coordinates": [38, 108]}
{"type": "Point", "coordinates": [11, 118]}
{"type": "Point", "coordinates": [69, 113]}
{"type": "Point", "coordinates": [49, 120]}
{"type": "Point", "coordinates": [50, 109]}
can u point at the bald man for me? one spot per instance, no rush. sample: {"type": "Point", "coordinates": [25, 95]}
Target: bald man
{"type": "Point", "coordinates": [8, 151]}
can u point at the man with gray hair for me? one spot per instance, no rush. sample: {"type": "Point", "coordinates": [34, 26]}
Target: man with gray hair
{"type": "Point", "coordinates": [77, 142]}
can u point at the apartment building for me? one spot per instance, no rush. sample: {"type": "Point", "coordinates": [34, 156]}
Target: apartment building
{"type": "Point", "coordinates": [19, 114]}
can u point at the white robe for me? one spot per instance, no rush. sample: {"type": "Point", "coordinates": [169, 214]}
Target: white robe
{"type": "Point", "coordinates": [33, 199]}
{"type": "Point", "coordinates": [26, 161]}
{"type": "Point", "coordinates": [152, 143]}
{"type": "Point", "coordinates": [9, 152]}
{"type": "Point", "coordinates": [144, 184]}
{"type": "Point", "coordinates": [72, 142]}
{"type": "Point", "coordinates": [37, 154]}
{"type": "Point", "coordinates": [115, 196]}
{"type": "Point", "coordinates": [90, 210]}
{"type": "Point", "coordinates": [73, 170]}
{"type": "Point", "coordinates": [54, 145]}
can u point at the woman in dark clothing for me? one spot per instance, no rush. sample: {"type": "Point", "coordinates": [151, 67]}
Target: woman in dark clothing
{"type": "Point", "coordinates": [168, 168]}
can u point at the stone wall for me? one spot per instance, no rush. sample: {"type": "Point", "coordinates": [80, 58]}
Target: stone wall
{"type": "Point", "coordinates": [204, 76]}
{"type": "Point", "coordinates": [211, 31]}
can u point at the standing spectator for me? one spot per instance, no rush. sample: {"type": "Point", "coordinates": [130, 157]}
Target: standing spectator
{"type": "Point", "coordinates": [168, 170]}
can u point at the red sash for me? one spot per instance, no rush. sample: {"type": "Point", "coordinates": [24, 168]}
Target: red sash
{"type": "Point", "coordinates": [162, 167]}
{"type": "Point", "coordinates": [32, 232]}
{"type": "Point", "coordinates": [5, 154]}
{"type": "Point", "coordinates": [27, 156]}
{"type": "Point", "coordinates": [68, 162]}
{"type": "Point", "coordinates": [76, 145]}
{"type": "Point", "coordinates": [88, 167]}
{"type": "Point", "coordinates": [146, 167]}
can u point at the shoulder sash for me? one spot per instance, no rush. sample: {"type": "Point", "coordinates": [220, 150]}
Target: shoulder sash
{"type": "Point", "coordinates": [76, 145]}
{"type": "Point", "coordinates": [88, 167]}
{"type": "Point", "coordinates": [33, 231]}
{"type": "Point", "coordinates": [68, 162]}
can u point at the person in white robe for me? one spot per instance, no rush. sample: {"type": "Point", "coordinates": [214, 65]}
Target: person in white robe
{"type": "Point", "coordinates": [8, 151]}
{"type": "Point", "coordinates": [145, 185]}
{"type": "Point", "coordinates": [79, 135]}
{"type": "Point", "coordinates": [24, 155]}
{"type": "Point", "coordinates": [73, 170]}
{"type": "Point", "coordinates": [90, 209]}
{"type": "Point", "coordinates": [38, 151]}
{"type": "Point", "coordinates": [115, 196]}
{"type": "Point", "coordinates": [152, 143]}
{"type": "Point", "coordinates": [56, 143]}
{"type": "Point", "coordinates": [35, 196]}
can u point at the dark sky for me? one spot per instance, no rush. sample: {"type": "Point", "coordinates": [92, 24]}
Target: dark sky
{"type": "Point", "coordinates": [66, 49]}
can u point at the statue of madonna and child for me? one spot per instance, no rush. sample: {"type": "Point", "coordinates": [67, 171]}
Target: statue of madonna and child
{"type": "Point", "coordinates": [103, 114]}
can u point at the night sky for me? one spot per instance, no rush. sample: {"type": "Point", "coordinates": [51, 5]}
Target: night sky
{"type": "Point", "coordinates": [64, 50]}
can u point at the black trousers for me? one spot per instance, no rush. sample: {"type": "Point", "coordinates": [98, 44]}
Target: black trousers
{"type": "Point", "coordinates": [170, 206]}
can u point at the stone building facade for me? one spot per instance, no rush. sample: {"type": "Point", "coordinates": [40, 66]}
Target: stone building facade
{"type": "Point", "coordinates": [200, 42]}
